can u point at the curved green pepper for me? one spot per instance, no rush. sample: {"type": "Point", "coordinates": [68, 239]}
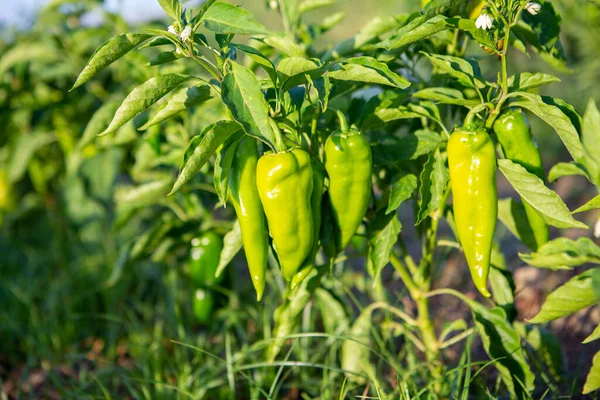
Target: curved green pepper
{"type": "Point", "coordinates": [472, 163]}
{"type": "Point", "coordinates": [514, 134]}
{"type": "Point", "coordinates": [244, 196]}
{"type": "Point", "coordinates": [204, 259]}
{"type": "Point", "coordinates": [349, 165]}
{"type": "Point", "coordinates": [203, 304]}
{"type": "Point", "coordinates": [315, 203]}
{"type": "Point", "coordinates": [285, 185]}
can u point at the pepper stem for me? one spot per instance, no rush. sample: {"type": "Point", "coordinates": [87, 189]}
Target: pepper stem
{"type": "Point", "coordinates": [343, 121]}
{"type": "Point", "coordinates": [279, 141]}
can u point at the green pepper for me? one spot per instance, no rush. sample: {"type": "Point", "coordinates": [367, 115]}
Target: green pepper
{"type": "Point", "coordinates": [204, 259]}
{"type": "Point", "coordinates": [244, 196]}
{"type": "Point", "coordinates": [315, 203]}
{"type": "Point", "coordinates": [203, 304]}
{"type": "Point", "coordinates": [472, 163]}
{"type": "Point", "coordinates": [349, 164]}
{"type": "Point", "coordinates": [285, 185]}
{"type": "Point", "coordinates": [518, 145]}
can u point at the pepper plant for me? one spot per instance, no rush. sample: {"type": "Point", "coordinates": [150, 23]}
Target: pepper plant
{"type": "Point", "coordinates": [322, 158]}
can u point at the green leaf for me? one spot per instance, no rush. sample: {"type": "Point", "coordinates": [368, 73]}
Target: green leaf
{"type": "Point", "coordinates": [382, 116]}
{"type": "Point", "coordinates": [547, 349]}
{"type": "Point", "coordinates": [225, 18]}
{"type": "Point", "coordinates": [592, 381]}
{"type": "Point", "coordinates": [366, 35]}
{"type": "Point", "coordinates": [223, 161]}
{"type": "Point", "coordinates": [578, 293]}
{"type": "Point", "coordinates": [27, 52]}
{"type": "Point", "coordinates": [417, 29]}
{"type": "Point", "coordinates": [182, 99]}
{"type": "Point", "coordinates": [512, 214]}
{"type": "Point", "coordinates": [481, 36]}
{"type": "Point", "coordinates": [292, 71]}
{"type": "Point", "coordinates": [503, 290]}
{"type": "Point", "coordinates": [401, 190]}
{"type": "Point", "coordinates": [458, 68]}
{"type": "Point", "coordinates": [98, 123]}
{"type": "Point", "coordinates": [436, 7]}
{"type": "Point", "coordinates": [285, 45]}
{"type": "Point", "coordinates": [554, 117]}
{"type": "Point", "coordinates": [593, 204]}
{"type": "Point", "coordinates": [545, 201]}
{"type": "Point", "coordinates": [232, 244]}
{"type": "Point", "coordinates": [24, 149]}
{"type": "Point", "coordinates": [198, 17]}
{"type": "Point", "coordinates": [172, 8]}
{"type": "Point", "coordinates": [383, 236]}
{"type": "Point", "coordinates": [526, 80]}
{"type": "Point", "coordinates": [368, 70]}
{"type": "Point", "coordinates": [409, 147]}
{"type": "Point", "coordinates": [355, 352]}
{"type": "Point", "coordinates": [164, 58]}
{"type": "Point", "coordinates": [240, 91]}
{"type": "Point", "coordinates": [503, 345]}
{"type": "Point", "coordinates": [143, 96]}
{"type": "Point", "coordinates": [566, 169]}
{"type": "Point", "coordinates": [593, 336]}
{"type": "Point", "coordinates": [590, 137]}
{"type": "Point", "coordinates": [108, 53]}
{"type": "Point", "coordinates": [201, 148]}
{"type": "Point", "coordinates": [434, 184]}
{"type": "Point", "coordinates": [132, 197]}
{"type": "Point", "coordinates": [445, 96]}
{"type": "Point", "coordinates": [260, 59]}
{"type": "Point", "coordinates": [563, 253]}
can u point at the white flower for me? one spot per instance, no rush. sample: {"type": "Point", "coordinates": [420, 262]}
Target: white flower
{"type": "Point", "coordinates": [178, 51]}
{"type": "Point", "coordinates": [273, 4]}
{"type": "Point", "coordinates": [484, 21]}
{"type": "Point", "coordinates": [185, 35]}
{"type": "Point", "coordinates": [597, 229]}
{"type": "Point", "coordinates": [533, 8]}
{"type": "Point", "coordinates": [172, 30]}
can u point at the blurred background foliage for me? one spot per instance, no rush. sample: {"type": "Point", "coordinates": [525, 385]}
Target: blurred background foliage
{"type": "Point", "coordinates": [93, 295]}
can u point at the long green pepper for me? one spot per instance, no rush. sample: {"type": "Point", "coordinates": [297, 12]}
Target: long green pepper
{"type": "Point", "coordinates": [315, 202]}
{"type": "Point", "coordinates": [285, 185]}
{"type": "Point", "coordinates": [514, 134]}
{"type": "Point", "coordinates": [245, 198]}
{"type": "Point", "coordinates": [472, 162]}
{"type": "Point", "coordinates": [349, 166]}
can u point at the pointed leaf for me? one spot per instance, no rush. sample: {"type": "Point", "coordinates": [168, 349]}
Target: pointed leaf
{"type": "Point", "coordinates": [225, 18]}
{"type": "Point", "coordinates": [578, 293]}
{"type": "Point", "coordinates": [417, 29]}
{"type": "Point", "coordinates": [562, 169]}
{"type": "Point", "coordinates": [402, 189]}
{"type": "Point", "coordinates": [143, 97]}
{"type": "Point", "coordinates": [232, 244]}
{"type": "Point", "coordinates": [554, 117]}
{"type": "Point", "coordinates": [368, 70]}
{"type": "Point", "coordinates": [182, 99]}
{"type": "Point", "coordinates": [545, 201]}
{"type": "Point", "coordinates": [511, 213]}
{"type": "Point", "coordinates": [593, 204]}
{"type": "Point", "coordinates": [527, 80]}
{"type": "Point", "coordinates": [201, 148]}
{"type": "Point", "coordinates": [382, 241]}
{"type": "Point", "coordinates": [240, 91]}
{"type": "Point", "coordinates": [563, 253]}
{"type": "Point", "coordinates": [592, 381]}
{"type": "Point", "coordinates": [108, 53]}
{"type": "Point", "coordinates": [593, 336]}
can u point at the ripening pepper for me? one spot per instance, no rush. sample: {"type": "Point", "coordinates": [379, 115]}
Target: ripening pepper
{"type": "Point", "coordinates": [285, 185]}
{"type": "Point", "coordinates": [203, 304]}
{"type": "Point", "coordinates": [315, 203]}
{"type": "Point", "coordinates": [204, 259]}
{"type": "Point", "coordinates": [244, 196]}
{"type": "Point", "coordinates": [349, 164]}
{"type": "Point", "coordinates": [475, 7]}
{"type": "Point", "coordinates": [472, 163]}
{"type": "Point", "coordinates": [514, 134]}
{"type": "Point", "coordinates": [6, 197]}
